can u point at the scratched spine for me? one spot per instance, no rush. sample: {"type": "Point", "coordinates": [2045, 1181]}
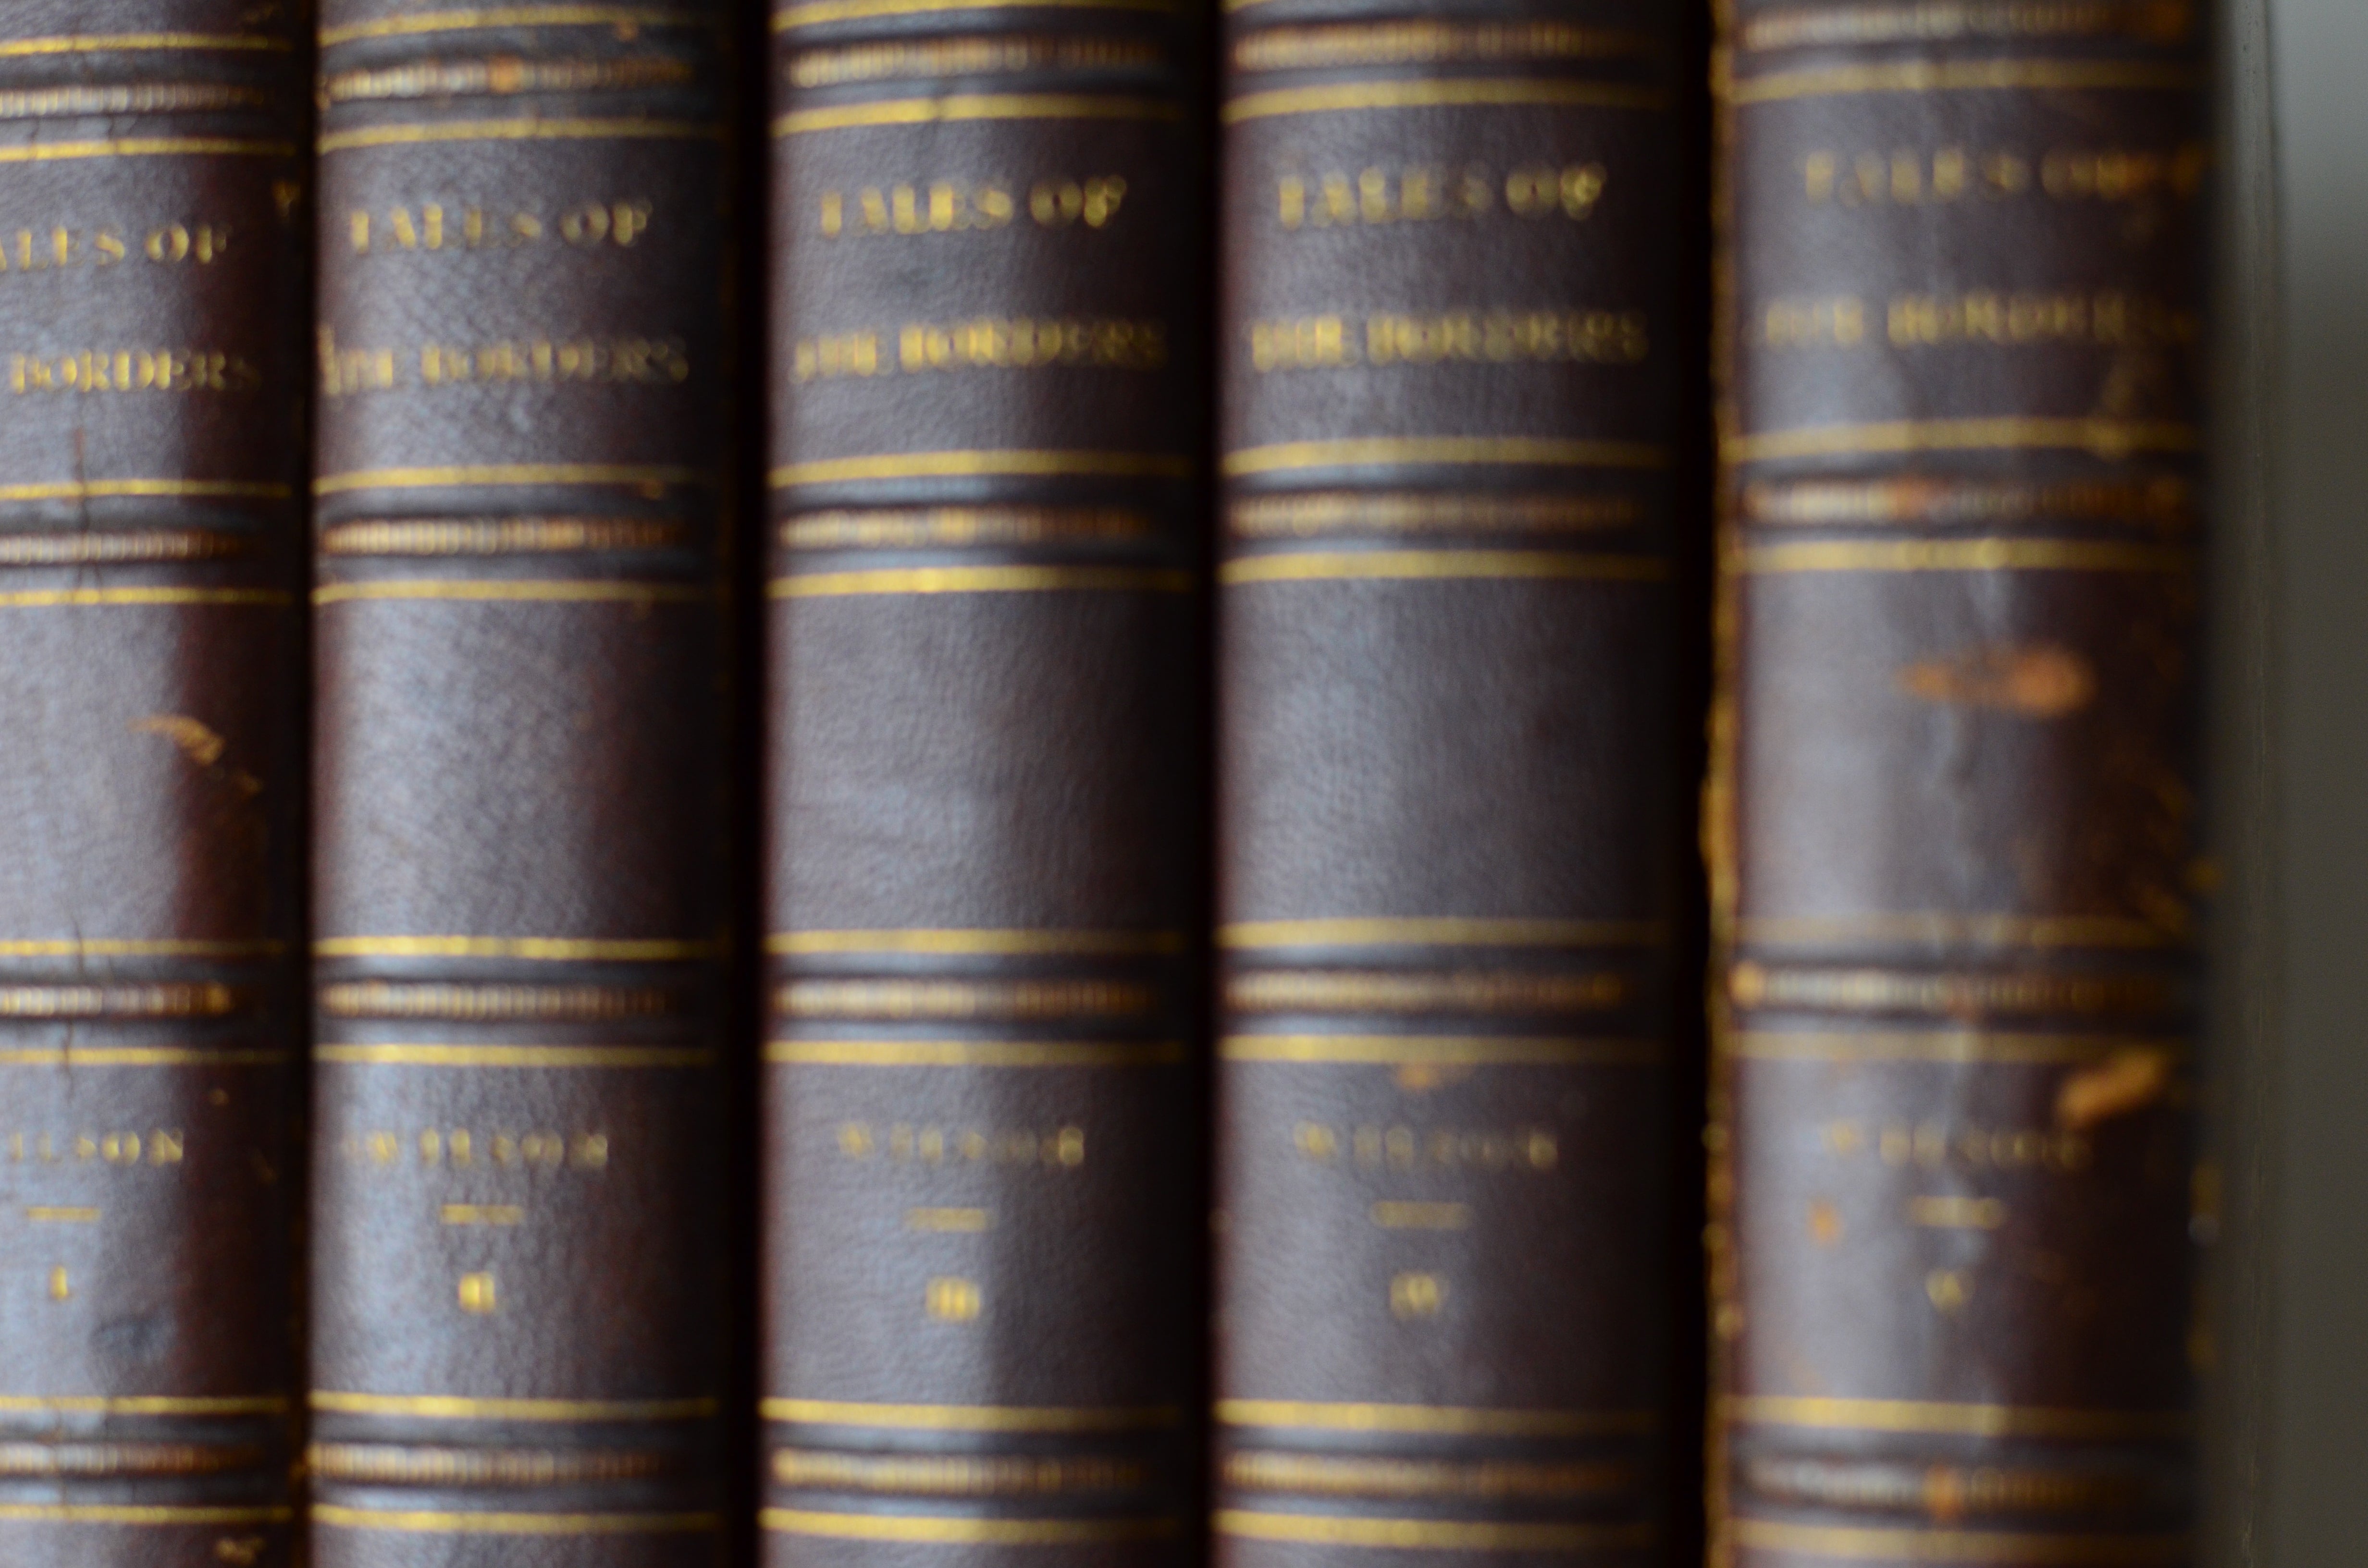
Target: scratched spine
{"type": "Point", "coordinates": [518, 1249]}
{"type": "Point", "coordinates": [1953, 807]}
{"type": "Point", "coordinates": [1451, 365]}
{"type": "Point", "coordinates": [981, 1311]}
{"type": "Point", "coordinates": [152, 232]}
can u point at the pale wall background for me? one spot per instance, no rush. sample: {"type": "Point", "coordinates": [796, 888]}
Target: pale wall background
{"type": "Point", "coordinates": [2319, 1498]}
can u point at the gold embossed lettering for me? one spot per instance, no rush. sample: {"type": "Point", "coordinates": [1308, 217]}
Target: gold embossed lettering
{"type": "Point", "coordinates": [928, 1143]}
{"type": "Point", "coordinates": [439, 227]}
{"type": "Point", "coordinates": [349, 370]}
{"type": "Point", "coordinates": [1416, 1295]}
{"type": "Point", "coordinates": [1301, 343]}
{"type": "Point", "coordinates": [1543, 191]}
{"type": "Point", "coordinates": [1839, 323]}
{"type": "Point", "coordinates": [2108, 318]}
{"type": "Point", "coordinates": [1060, 203]}
{"type": "Point", "coordinates": [1618, 338]}
{"type": "Point", "coordinates": [1031, 343]}
{"type": "Point", "coordinates": [134, 371]}
{"type": "Point", "coordinates": [1419, 193]}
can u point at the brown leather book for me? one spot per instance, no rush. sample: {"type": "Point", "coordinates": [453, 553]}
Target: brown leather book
{"type": "Point", "coordinates": [520, 1314]}
{"type": "Point", "coordinates": [1450, 372]}
{"type": "Point", "coordinates": [152, 225]}
{"type": "Point", "coordinates": [982, 1218]}
{"type": "Point", "coordinates": [1953, 819]}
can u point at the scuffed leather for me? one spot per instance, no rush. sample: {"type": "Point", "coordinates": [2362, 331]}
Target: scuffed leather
{"type": "Point", "coordinates": [1953, 823]}
{"type": "Point", "coordinates": [150, 780]}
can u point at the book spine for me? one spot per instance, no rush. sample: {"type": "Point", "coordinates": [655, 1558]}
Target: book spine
{"type": "Point", "coordinates": [153, 183]}
{"type": "Point", "coordinates": [518, 1247]}
{"type": "Point", "coordinates": [1953, 814]}
{"type": "Point", "coordinates": [981, 1203]}
{"type": "Point", "coordinates": [1450, 368]}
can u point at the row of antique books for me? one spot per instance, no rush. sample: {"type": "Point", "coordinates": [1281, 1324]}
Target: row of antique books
{"type": "Point", "coordinates": [972, 816]}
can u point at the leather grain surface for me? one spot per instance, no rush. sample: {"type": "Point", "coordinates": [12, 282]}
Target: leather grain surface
{"type": "Point", "coordinates": [151, 782]}
{"type": "Point", "coordinates": [1953, 821]}
{"type": "Point", "coordinates": [981, 1228]}
{"type": "Point", "coordinates": [1449, 363]}
{"type": "Point", "coordinates": [523, 368]}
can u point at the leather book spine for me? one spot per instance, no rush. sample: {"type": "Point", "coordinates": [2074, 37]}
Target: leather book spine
{"type": "Point", "coordinates": [982, 1210]}
{"type": "Point", "coordinates": [1450, 372]}
{"type": "Point", "coordinates": [521, 1314]}
{"type": "Point", "coordinates": [1953, 816]}
{"type": "Point", "coordinates": [152, 226]}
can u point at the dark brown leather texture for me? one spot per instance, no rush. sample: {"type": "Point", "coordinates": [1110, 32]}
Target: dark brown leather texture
{"type": "Point", "coordinates": [522, 786]}
{"type": "Point", "coordinates": [152, 225]}
{"type": "Point", "coordinates": [1954, 815]}
{"type": "Point", "coordinates": [982, 1222]}
{"type": "Point", "coordinates": [1450, 366]}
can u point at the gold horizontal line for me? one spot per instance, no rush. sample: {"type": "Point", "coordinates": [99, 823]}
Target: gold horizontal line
{"type": "Point", "coordinates": [102, 489]}
{"type": "Point", "coordinates": [645, 475]}
{"type": "Point", "coordinates": [482, 1214]}
{"type": "Point", "coordinates": [536, 591]}
{"type": "Point", "coordinates": [1960, 1546]}
{"type": "Point", "coordinates": [1445, 1419]}
{"type": "Point", "coordinates": [424, 1522]}
{"type": "Point", "coordinates": [982, 464]}
{"type": "Point", "coordinates": [525, 129]}
{"type": "Point", "coordinates": [938, 1529]}
{"type": "Point", "coordinates": [61, 1214]}
{"type": "Point", "coordinates": [53, 598]}
{"type": "Point", "coordinates": [2105, 437]}
{"type": "Point", "coordinates": [1961, 555]}
{"type": "Point", "coordinates": [132, 947]}
{"type": "Point", "coordinates": [1962, 1045]}
{"type": "Point", "coordinates": [817, 13]}
{"type": "Point", "coordinates": [1951, 1419]}
{"type": "Point", "coordinates": [1442, 931]}
{"type": "Point", "coordinates": [458, 1407]}
{"type": "Point", "coordinates": [95, 44]}
{"type": "Point", "coordinates": [138, 1056]}
{"type": "Point", "coordinates": [1392, 1050]}
{"type": "Point", "coordinates": [1966, 75]}
{"type": "Point", "coordinates": [147, 1405]}
{"type": "Point", "coordinates": [1110, 944]}
{"type": "Point", "coordinates": [1453, 91]}
{"type": "Point", "coordinates": [139, 1514]}
{"type": "Point", "coordinates": [1439, 1535]}
{"type": "Point", "coordinates": [535, 1056]}
{"type": "Point", "coordinates": [961, 1222]}
{"type": "Point", "coordinates": [981, 580]}
{"type": "Point", "coordinates": [1519, 452]}
{"type": "Point", "coordinates": [513, 16]}
{"type": "Point", "coordinates": [1397, 1215]}
{"type": "Point", "coordinates": [1434, 566]}
{"type": "Point", "coordinates": [1987, 930]}
{"type": "Point", "coordinates": [146, 147]}
{"type": "Point", "coordinates": [973, 1417]}
{"type": "Point", "coordinates": [557, 949]}
{"type": "Point", "coordinates": [972, 1054]}
{"type": "Point", "coordinates": [975, 106]}
{"type": "Point", "coordinates": [1943, 1211]}
{"type": "Point", "coordinates": [1863, 22]}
